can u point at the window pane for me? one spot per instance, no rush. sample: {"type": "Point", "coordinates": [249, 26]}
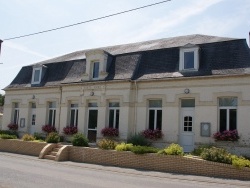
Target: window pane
{"type": "Point", "coordinates": [111, 118]}
{"type": "Point", "coordinates": [76, 118]}
{"type": "Point", "coordinates": [93, 104]}
{"type": "Point", "coordinates": [155, 103]}
{"type": "Point", "coordinates": [33, 105]}
{"type": "Point", "coordinates": [16, 116]}
{"type": "Point", "coordinates": [96, 70]}
{"type": "Point", "coordinates": [72, 117]}
{"type": "Point", "coordinates": [54, 117]}
{"type": "Point", "coordinates": [229, 101]}
{"type": "Point", "coordinates": [232, 119]}
{"type": "Point", "coordinates": [188, 60]}
{"type": "Point", "coordinates": [16, 105]}
{"type": "Point", "coordinates": [223, 120]}
{"type": "Point", "coordinates": [159, 119]}
{"type": "Point", "coordinates": [93, 119]}
{"type": "Point", "coordinates": [151, 119]}
{"type": "Point", "coordinates": [36, 75]}
{"type": "Point", "coordinates": [114, 104]}
{"type": "Point", "coordinates": [74, 105]}
{"type": "Point", "coordinates": [50, 117]}
{"type": "Point", "coordinates": [187, 103]}
{"type": "Point", "coordinates": [117, 119]}
{"type": "Point", "coordinates": [52, 104]}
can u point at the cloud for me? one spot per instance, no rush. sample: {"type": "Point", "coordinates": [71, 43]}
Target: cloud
{"type": "Point", "coordinates": [174, 18]}
{"type": "Point", "coordinates": [23, 49]}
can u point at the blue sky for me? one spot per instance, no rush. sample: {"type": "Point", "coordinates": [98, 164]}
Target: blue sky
{"type": "Point", "coordinates": [227, 18]}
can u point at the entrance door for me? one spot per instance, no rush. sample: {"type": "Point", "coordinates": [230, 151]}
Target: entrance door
{"type": "Point", "coordinates": [32, 128]}
{"type": "Point", "coordinates": [187, 124]}
{"type": "Point", "coordinates": [92, 122]}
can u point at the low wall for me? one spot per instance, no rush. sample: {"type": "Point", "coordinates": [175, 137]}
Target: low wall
{"type": "Point", "coordinates": [21, 147]}
{"type": "Point", "coordinates": [172, 164]}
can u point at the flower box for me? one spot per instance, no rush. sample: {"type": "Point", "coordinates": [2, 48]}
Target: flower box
{"type": "Point", "coordinates": [155, 134]}
{"type": "Point", "coordinates": [231, 135]}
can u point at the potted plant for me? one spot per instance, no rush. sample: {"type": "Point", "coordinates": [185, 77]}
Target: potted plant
{"type": "Point", "coordinates": [70, 130]}
{"type": "Point", "coordinates": [48, 129]}
{"type": "Point", "coordinates": [110, 132]}
{"type": "Point", "coordinates": [155, 134]}
{"type": "Point", "coordinates": [231, 135]}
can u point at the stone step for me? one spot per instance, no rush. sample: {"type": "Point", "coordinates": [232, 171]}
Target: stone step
{"type": "Point", "coordinates": [50, 157]}
{"type": "Point", "coordinates": [55, 149]}
{"type": "Point", "coordinates": [53, 153]}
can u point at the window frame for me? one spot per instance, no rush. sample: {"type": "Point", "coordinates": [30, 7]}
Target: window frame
{"type": "Point", "coordinates": [53, 109]}
{"type": "Point", "coordinates": [93, 70]}
{"type": "Point", "coordinates": [227, 108]}
{"type": "Point", "coordinates": [116, 109]}
{"type": "Point", "coordinates": [182, 59]}
{"type": "Point", "coordinates": [33, 75]}
{"type": "Point", "coordinates": [155, 109]}
{"type": "Point", "coordinates": [76, 110]}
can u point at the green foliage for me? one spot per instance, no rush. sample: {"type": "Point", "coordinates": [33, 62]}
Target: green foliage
{"type": "Point", "coordinates": [143, 149]}
{"type": "Point", "coordinates": [200, 149]}
{"type": "Point", "coordinates": [28, 137]}
{"type": "Point", "coordinates": [107, 144]}
{"type": "Point", "coordinates": [217, 155]}
{"type": "Point", "coordinates": [174, 149]}
{"type": "Point", "coordinates": [7, 136]}
{"type": "Point", "coordinates": [123, 147]}
{"type": "Point", "coordinates": [240, 162]}
{"type": "Point", "coordinates": [9, 132]}
{"type": "Point", "coordinates": [39, 136]}
{"type": "Point", "coordinates": [80, 140]}
{"type": "Point", "coordinates": [138, 140]}
{"type": "Point", "coordinates": [52, 137]}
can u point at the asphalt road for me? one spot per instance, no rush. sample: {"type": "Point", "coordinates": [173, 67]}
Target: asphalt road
{"type": "Point", "coordinates": [30, 172]}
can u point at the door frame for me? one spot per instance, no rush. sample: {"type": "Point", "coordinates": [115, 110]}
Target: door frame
{"type": "Point", "coordinates": [91, 108]}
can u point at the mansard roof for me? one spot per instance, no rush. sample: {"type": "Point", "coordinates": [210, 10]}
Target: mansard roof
{"type": "Point", "coordinates": [156, 59]}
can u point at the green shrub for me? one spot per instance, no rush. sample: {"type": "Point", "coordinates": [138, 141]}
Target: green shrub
{"type": "Point", "coordinates": [80, 140]}
{"type": "Point", "coordinates": [123, 147]}
{"type": "Point", "coordinates": [200, 149]}
{"type": "Point", "coordinates": [28, 137]}
{"type": "Point", "coordinates": [240, 162]}
{"type": "Point", "coordinates": [39, 136]}
{"type": "Point", "coordinates": [52, 137]}
{"type": "Point", "coordinates": [7, 136]}
{"type": "Point", "coordinates": [107, 144]}
{"type": "Point", "coordinates": [174, 149]}
{"type": "Point", "coordinates": [138, 140]}
{"type": "Point", "coordinates": [217, 155]}
{"type": "Point", "coordinates": [143, 149]}
{"type": "Point", "coordinates": [9, 132]}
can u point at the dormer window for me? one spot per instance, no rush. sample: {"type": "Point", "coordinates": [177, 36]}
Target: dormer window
{"type": "Point", "coordinates": [189, 58]}
{"type": "Point", "coordinates": [36, 76]}
{"type": "Point", "coordinates": [95, 74]}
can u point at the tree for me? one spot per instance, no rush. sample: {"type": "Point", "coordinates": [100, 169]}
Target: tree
{"type": "Point", "coordinates": [2, 99]}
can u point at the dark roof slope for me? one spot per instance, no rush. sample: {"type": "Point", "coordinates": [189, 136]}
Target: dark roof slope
{"type": "Point", "coordinates": [148, 60]}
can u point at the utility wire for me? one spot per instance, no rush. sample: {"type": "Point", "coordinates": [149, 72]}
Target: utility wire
{"type": "Point", "coordinates": [83, 22]}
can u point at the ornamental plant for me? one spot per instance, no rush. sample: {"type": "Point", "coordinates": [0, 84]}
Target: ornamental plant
{"type": "Point", "coordinates": [13, 126]}
{"type": "Point", "coordinates": [48, 129]}
{"type": "Point", "coordinates": [110, 132]}
{"type": "Point", "coordinates": [226, 136]}
{"type": "Point", "coordinates": [152, 134]}
{"type": "Point", "coordinates": [70, 130]}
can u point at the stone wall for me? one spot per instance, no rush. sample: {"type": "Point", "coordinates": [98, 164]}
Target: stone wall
{"type": "Point", "coordinates": [21, 147]}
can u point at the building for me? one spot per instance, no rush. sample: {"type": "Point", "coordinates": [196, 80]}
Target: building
{"type": "Point", "coordinates": [189, 87]}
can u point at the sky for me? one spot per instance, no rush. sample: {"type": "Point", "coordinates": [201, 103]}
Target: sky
{"type": "Point", "coordinates": [225, 18]}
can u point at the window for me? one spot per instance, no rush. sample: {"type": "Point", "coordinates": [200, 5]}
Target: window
{"type": "Point", "coordinates": [114, 113]}
{"type": "Point", "coordinates": [16, 113]}
{"type": "Point", "coordinates": [228, 113]}
{"type": "Point", "coordinates": [155, 114]}
{"type": "Point", "coordinates": [52, 113]}
{"type": "Point", "coordinates": [95, 70]}
{"type": "Point", "coordinates": [74, 115]}
{"type": "Point", "coordinates": [189, 59]}
{"type": "Point", "coordinates": [36, 76]}
{"type": "Point", "coordinates": [188, 103]}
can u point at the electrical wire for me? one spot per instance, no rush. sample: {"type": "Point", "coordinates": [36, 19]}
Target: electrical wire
{"type": "Point", "coordinates": [87, 21]}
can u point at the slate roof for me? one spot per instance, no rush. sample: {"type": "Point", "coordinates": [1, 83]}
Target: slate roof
{"type": "Point", "coordinates": [154, 59]}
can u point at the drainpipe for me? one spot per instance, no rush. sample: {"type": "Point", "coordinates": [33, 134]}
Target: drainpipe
{"type": "Point", "coordinates": [60, 108]}
{"type": "Point", "coordinates": [136, 100]}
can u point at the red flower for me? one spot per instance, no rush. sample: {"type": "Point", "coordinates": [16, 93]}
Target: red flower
{"type": "Point", "coordinates": [48, 128]}
{"type": "Point", "coordinates": [231, 135]}
{"type": "Point", "coordinates": [13, 126]}
{"type": "Point", "coordinates": [152, 134]}
{"type": "Point", "coordinates": [110, 132]}
{"type": "Point", "coordinates": [69, 130]}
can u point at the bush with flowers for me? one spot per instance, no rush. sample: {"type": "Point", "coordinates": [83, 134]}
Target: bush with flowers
{"type": "Point", "coordinates": [231, 135]}
{"type": "Point", "coordinates": [13, 126]}
{"type": "Point", "coordinates": [48, 129]}
{"type": "Point", "coordinates": [152, 134]}
{"type": "Point", "coordinates": [70, 130]}
{"type": "Point", "coordinates": [110, 132]}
